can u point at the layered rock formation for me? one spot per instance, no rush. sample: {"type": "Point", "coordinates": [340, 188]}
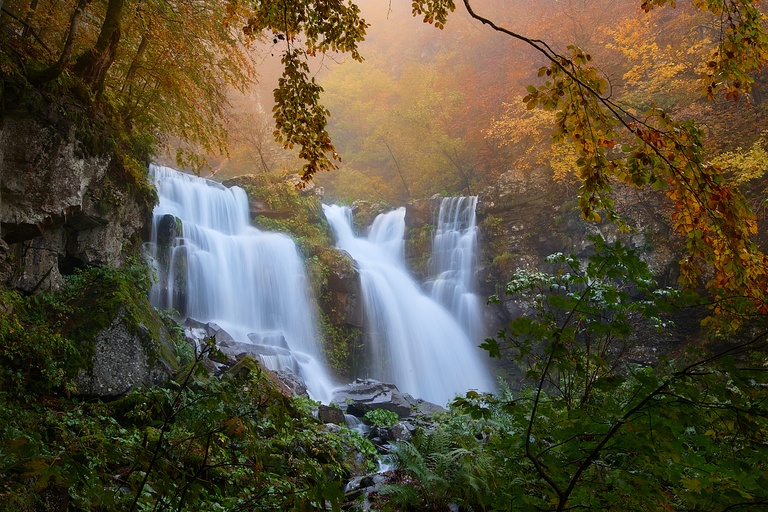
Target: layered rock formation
{"type": "Point", "coordinates": [67, 204]}
{"type": "Point", "coordinates": [62, 206]}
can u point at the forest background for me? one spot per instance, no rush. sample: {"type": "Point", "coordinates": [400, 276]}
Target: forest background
{"type": "Point", "coordinates": [617, 83]}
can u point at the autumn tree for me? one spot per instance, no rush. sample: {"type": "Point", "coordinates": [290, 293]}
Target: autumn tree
{"type": "Point", "coordinates": [131, 55]}
{"type": "Point", "coordinates": [614, 141]}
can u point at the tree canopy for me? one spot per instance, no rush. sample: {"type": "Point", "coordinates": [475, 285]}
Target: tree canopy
{"type": "Point", "coordinates": [163, 69]}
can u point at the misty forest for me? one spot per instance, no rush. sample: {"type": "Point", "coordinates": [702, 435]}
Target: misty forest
{"type": "Point", "coordinates": [438, 255]}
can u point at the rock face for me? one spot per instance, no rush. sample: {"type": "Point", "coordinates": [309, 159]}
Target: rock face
{"type": "Point", "coordinates": [346, 307]}
{"type": "Point", "coordinates": [61, 207]}
{"type": "Point", "coordinates": [124, 357]}
{"type": "Point", "coordinates": [525, 217]}
{"type": "Point", "coordinates": [420, 223]}
{"type": "Point", "coordinates": [66, 204]}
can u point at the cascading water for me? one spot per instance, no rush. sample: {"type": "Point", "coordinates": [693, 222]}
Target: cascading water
{"type": "Point", "coordinates": [453, 263]}
{"type": "Point", "coordinates": [414, 342]}
{"type": "Point", "coordinates": [249, 282]}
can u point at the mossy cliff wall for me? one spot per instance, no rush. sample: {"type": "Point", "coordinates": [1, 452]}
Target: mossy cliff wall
{"type": "Point", "coordinates": [64, 204]}
{"type": "Point", "coordinates": [68, 201]}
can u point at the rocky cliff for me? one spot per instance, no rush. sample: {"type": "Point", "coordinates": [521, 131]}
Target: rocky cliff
{"type": "Point", "coordinates": [62, 204]}
{"type": "Point", "coordinates": [67, 202]}
{"type": "Point", "coordinates": [525, 217]}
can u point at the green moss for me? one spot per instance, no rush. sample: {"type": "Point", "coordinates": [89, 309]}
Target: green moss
{"type": "Point", "coordinates": [46, 339]}
{"type": "Point", "coordinates": [343, 347]}
{"type": "Point", "coordinates": [418, 247]}
{"type": "Point", "coordinates": [365, 212]}
{"type": "Point", "coordinates": [98, 295]}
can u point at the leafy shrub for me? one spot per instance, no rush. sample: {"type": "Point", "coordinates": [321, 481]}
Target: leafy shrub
{"type": "Point", "coordinates": [380, 418]}
{"type": "Point", "coordinates": [586, 430]}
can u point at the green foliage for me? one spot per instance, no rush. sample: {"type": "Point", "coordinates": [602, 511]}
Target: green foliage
{"type": "Point", "coordinates": [294, 213]}
{"type": "Point", "coordinates": [380, 418]}
{"type": "Point", "coordinates": [588, 431]}
{"type": "Point", "coordinates": [588, 311]}
{"type": "Point", "coordinates": [441, 466]}
{"type": "Point", "coordinates": [324, 27]}
{"type": "Point", "coordinates": [204, 443]}
{"type": "Point", "coordinates": [32, 352]}
{"type": "Point", "coordinates": [45, 339]}
{"type": "Point", "coordinates": [652, 149]}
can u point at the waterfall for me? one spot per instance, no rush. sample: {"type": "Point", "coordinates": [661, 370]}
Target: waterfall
{"type": "Point", "coordinates": [222, 270]}
{"type": "Point", "coordinates": [414, 342]}
{"type": "Point", "coordinates": [452, 266]}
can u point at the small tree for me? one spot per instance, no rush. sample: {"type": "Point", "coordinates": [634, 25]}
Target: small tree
{"type": "Point", "coordinates": [589, 434]}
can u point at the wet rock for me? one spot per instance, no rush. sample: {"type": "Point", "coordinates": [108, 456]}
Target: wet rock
{"type": "Point", "coordinates": [275, 339]}
{"type": "Point", "coordinates": [210, 330]}
{"type": "Point", "coordinates": [365, 395]}
{"type": "Point", "coordinates": [168, 230]}
{"type": "Point", "coordinates": [422, 211]}
{"type": "Point", "coordinates": [401, 431]}
{"type": "Point", "coordinates": [328, 414]}
{"type": "Point", "coordinates": [293, 382]}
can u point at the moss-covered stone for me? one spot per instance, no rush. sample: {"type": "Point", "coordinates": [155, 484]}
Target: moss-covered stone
{"type": "Point", "coordinates": [123, 340]}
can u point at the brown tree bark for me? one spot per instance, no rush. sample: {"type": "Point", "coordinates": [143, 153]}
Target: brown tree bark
{"type": "Point", "coordinates": [52, 72]}
{"type": "Point", "coordinates": [92, 66]}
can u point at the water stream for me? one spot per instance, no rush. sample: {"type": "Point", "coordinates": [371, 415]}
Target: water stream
{"type": "Point", "coordinates": [413, 341]}
{"type": "Point", "coordinates": [222, 270]}
{"type": "Point", "coordinates": [453, 263]}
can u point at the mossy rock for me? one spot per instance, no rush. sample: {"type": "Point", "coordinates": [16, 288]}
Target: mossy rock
{"type": "Point", "coordinates": [122, 341]}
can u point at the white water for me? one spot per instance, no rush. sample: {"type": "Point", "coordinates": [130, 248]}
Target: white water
{"type": "Point", "coordinates": [414, 341]}
{"type": "Point", "coordinates": [452, 265]}
{"type": "Point", "coordinates": [247, 281]}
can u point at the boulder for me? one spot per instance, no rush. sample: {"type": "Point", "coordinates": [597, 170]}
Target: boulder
{"type": "Point", "coordinates": [422, 211]}
{"type": "Point", "coordinates": [198, 331]}
{"type": "Point", "coordinates": [292, 382]}
{"type": "Point", "coordinates": [328, 414]}
{"type": "Point", "coordinates": [305, 188]}
{"type": "Point", "coordinates": [125, 356]}
{"type": "Point", "coordinates": [365, 395]}
{"type": "Point", "coordinates": [401, 431]}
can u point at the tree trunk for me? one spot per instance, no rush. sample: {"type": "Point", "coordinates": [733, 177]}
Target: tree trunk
{"type": "Point", "coordinates": [397, 166]}
{"type": "Point", "coordinates": [53, 72]}
{"type": "Point", "coordinates": [130, 76]}
{"type": "Point", "coordinates": [27, 20]}
{"type": "Point", "coordinates": [92, 66]}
